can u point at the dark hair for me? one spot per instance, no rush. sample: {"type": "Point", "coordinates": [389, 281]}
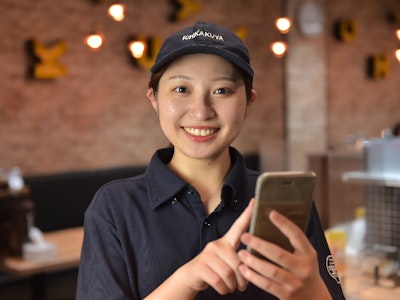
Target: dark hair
{"type": "Point", "coordinates": [248, 81]}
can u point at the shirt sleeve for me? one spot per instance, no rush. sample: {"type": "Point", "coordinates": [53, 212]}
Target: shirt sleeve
{"type": "Point", "coordinates": [102, 271]}
{"type": "Point", "coordinates": [327, 268]}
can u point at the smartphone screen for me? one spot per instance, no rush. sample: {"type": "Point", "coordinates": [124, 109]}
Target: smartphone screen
{"type": "Point", "coordinates": [289, 193]}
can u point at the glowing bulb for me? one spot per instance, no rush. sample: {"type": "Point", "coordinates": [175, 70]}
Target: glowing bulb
{"type": "Point", "coordinates": [398, 33]}
{"type": "Point", "coordinates": [136, 48]}
{"type": "Point", "coordinates": [397, 54]}
{"type": "Point", "coordinates": [94, 41]}
{"type": "Point", "coordinates": [279, 48]}
{"type": "Point", "coordinates": [283, 24]}
{"type": "Point", "coordinates": [117, 12]}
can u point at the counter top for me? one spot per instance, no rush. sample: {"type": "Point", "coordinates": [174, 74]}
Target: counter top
{"type": "Point", "coordinates": [371, 179]}
{"type": "Point", "coordinates": [362, 287]}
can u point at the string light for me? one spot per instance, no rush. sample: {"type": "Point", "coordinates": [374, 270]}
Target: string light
{"type": "Point", "coordinates": [283, 24]}
{"type": "Point", "coordinates": [117, 12]}
{"type": "Point", "coordinates": [94, 41]}
{"type": "Point", "coordinates": [397, 54]}
{"type": "Point", "coordinates": [136, 48]}
{"type": "Point", "coordinates": [398, 34]}
{"type": "Point", "coordinates": [279, 48]}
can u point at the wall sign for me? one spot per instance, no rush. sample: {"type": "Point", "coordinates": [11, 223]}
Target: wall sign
{"type": "Point", "coordinates": [378, 66]}
{"type": "Point", "coordinates": [346, 30]}
{"type": "Point", "coordinates": [44, 62]}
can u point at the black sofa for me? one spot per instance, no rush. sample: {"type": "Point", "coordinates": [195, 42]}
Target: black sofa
{"type": "Point", "coordinates": [61, 199]}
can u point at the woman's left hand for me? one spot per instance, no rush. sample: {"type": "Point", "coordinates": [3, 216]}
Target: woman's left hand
{"type": "Point", "coordinates": [297, 274]}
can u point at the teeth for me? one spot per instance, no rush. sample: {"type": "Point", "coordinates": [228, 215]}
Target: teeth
{"type": "Point", "coordinates": [200, 132]}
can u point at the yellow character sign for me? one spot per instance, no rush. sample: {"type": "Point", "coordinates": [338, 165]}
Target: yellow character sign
{"type": "Point", "coordinates": [45, 63]}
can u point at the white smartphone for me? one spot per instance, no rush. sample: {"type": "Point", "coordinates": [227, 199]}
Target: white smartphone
{"type": "Point", "coordinates": [289, 193]}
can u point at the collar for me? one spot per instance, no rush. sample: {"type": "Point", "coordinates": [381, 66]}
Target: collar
{"type": "Point", "coordinates": [163, 185]}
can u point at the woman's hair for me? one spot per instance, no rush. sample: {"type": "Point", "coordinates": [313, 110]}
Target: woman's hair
{"type": "Point", "coordinates": [248, 81]}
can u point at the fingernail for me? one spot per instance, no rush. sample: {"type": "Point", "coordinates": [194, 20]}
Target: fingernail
{"type": "Point", "coordinates": [245, 238]}
{"type": "Point", "coordinates": [242, 254]}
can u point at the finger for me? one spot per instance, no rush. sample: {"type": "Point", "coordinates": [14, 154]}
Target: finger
{"type": "Point", "coordinates": [267, 249]}
{"type": "Point", "coordinates": [267, 284]}
{"type": "Point", "coordinates": [240, 226]}
{"type": "Point", "coordinates": [234, 262]}
{"type": "Point", "coordinates": [295, 235]}
{"type": "Point", "coordinates": [225, 262]}
{"type": "Point", "coordinates": [265, 268]}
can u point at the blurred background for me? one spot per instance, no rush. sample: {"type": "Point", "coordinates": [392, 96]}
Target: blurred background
{"type": "Point", "coordinates": [69, 106]}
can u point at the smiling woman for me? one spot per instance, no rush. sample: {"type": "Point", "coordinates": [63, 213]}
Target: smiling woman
{"type": "Point", "coordinates": [179, 230]}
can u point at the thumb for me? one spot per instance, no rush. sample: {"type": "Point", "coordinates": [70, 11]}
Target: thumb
{"type": "Point", "coordinates": [240, 226]}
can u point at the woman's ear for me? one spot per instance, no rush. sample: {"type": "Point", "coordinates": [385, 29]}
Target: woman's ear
{"type": "Point", "coordinates": [152, 97]}
{"type": "Point", "coordinates": [252, 98]}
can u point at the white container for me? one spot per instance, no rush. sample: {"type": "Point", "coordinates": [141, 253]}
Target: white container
{"type": "Point", "coordinates": [383, 156]}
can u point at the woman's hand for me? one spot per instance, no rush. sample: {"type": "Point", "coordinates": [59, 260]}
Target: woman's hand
{"type": "Point", "coordinates": [218, 264]}
{"type": "Point", "coordinates": [297, 274]}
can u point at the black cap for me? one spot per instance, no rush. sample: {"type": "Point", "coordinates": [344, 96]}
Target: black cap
{"type": "Point", "coordinates": [208, 38]}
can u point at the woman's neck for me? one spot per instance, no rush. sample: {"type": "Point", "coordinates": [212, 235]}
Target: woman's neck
{"type": "Point", "coordinates": [205, 175]}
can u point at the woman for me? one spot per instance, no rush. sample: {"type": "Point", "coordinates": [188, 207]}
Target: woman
{"type": "Point", "coordinates": [179, 230]}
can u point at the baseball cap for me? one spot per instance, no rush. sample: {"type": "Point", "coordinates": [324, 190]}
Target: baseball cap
{"type": "Point", "coordinates": [208, 38]}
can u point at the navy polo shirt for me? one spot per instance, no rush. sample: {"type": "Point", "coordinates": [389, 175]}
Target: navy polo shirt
{"type": "Point", "coordinates": [139, 230]}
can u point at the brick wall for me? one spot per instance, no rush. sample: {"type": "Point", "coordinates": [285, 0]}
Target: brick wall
{"type": "Point", "coordinates": [97, 115]}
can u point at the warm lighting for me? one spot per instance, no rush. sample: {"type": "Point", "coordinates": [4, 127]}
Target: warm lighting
{"type": "Point", "coordinates": [283, 24]}
{"type": "Point", "coordinates": [398, 33]}
{"type": "Point", "coordinates": [397, 54]}
{"type": "Point", "coordinates": [279, 48]}
{"type": "Point", "coordinates": [117, 12]}
{"type": "Point", "coordinates": [94, 41]}
{"type": "Point", "coordinates": [137, 48]}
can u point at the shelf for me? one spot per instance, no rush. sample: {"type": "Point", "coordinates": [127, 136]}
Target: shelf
{"type": "Point", "coordinates": [371, 179]}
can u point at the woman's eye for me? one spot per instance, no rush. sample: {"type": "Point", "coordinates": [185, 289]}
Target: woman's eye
{"type": "Point", "coordinates": [223, 91]}
{"type": "Point", "coordinates": [180, 89]}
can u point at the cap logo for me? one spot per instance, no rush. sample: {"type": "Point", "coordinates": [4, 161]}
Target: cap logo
{"type": "Point", "coordinates": [202, 33]}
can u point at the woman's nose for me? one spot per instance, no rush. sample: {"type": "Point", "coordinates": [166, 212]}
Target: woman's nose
{"type": "Point", "coordinates": [202, 108]}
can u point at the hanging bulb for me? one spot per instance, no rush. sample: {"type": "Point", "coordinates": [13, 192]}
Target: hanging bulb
{"type": "Point", "coordinates": [94, 41]}
{"type": "Point", "coordinates": [136, 48]}
{"type": "Point", "coordinates": [397, 54]}
{"type": "Point", "coordinates": [283, 24]}
{"type": "Point", "coordinates": [117, 12]}
{"type": "Point", "coordinates": [279, 48]}
{"type": "Point", "coordinates": [398, 34]}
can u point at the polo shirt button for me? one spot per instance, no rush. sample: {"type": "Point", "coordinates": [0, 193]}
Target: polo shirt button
{"type": "Point", "coordinates": [234, 200]}
{"type": "Point", "coordinates": [190, 192]}
{"type": "Point", "coordinates": [174, 201]}
{"type": "Point", "coordinates": [207, 224]}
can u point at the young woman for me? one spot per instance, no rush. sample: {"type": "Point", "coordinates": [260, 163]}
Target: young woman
{"type": "Point", "coordinates": [179, 230]}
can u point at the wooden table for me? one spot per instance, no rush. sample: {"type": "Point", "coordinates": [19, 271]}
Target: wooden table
{"type": "Point", "coordinates": [68, 243]}
{"type": "Point", "coordinates": [362, 287]}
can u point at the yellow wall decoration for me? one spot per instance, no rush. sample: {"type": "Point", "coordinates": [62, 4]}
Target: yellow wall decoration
{"type": "Point", "coordinates": [346, 30]}
{"type": "Point", "coordinates": [378, 66]}
{"type": "Point", "coordinates": [182, 9]}
{"type": "Point", "coordinates": [45, 64]}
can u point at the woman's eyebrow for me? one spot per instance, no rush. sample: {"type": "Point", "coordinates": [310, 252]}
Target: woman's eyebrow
{"type": "Point", "coordinates": [179, 76]}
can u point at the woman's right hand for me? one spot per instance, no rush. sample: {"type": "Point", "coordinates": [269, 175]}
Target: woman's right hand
{"type": "Point", "coordinates": [217, 266]}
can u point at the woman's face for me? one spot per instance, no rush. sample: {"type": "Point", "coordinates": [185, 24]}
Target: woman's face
{"type": "Point", "coordinates": [201, 103]}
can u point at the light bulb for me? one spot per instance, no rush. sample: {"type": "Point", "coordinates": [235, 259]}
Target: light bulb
{"type": "Point", "coordinates": [94, 41]}
{"type": "Point", "coordinates": [137, 48]}
{"type": "Point", "coordinates": [283, 24]}
{"type": "Point", "coordinates": [117, 12]}
{"type": "Point", "coordinates": [279, 48]}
